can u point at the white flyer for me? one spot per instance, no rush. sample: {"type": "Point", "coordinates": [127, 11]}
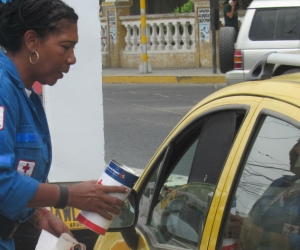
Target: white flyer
{"type": "Point", "coordinates": [48, 241]}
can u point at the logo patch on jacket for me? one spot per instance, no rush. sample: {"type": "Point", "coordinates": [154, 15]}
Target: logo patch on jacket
{"type": "Point", "coordinates": [290, 229]}
{"type": "Point", "coordinates": [1, 117]}
{"type": "Point", "coordinates": [26, 167]}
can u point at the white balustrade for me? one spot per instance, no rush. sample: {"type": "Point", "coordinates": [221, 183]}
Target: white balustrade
{"type": "Point", "coordinates": [165, 33]}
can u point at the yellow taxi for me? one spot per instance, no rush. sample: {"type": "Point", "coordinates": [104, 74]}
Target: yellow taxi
{"type": "Point", "coordinates": [227, 176]}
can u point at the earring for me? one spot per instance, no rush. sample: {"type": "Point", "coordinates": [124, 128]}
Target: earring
{"type": "Point", "coordinates": [37, 57]}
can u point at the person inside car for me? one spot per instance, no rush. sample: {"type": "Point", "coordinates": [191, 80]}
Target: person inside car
{"type": "Point", "coordinates": [274, 220]}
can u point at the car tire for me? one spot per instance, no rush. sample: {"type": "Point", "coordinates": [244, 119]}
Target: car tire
{"type": "Point", "coordinates": [226, 49]}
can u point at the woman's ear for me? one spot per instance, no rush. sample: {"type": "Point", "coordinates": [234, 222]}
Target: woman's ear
{"type": "Point", "coordinates": [30, 39]}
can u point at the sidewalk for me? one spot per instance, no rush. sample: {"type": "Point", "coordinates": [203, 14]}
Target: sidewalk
{"type": "Point", "coordinates": [163, 76]}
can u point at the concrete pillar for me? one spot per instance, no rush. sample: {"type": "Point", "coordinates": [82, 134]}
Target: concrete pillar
{"type": "Point", "coordinates": [145, 66]}
{"type": "Point", "coordinates": [113, 9]}
{"type": "Point", "coordinates": [203, 32]}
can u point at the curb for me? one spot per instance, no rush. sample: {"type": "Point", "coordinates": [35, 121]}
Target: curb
{"type": "Point", "coordinates": [164, 79]}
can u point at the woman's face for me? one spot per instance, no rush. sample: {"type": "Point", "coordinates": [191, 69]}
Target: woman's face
{"type": "Point", "coordinates": [56, 55]}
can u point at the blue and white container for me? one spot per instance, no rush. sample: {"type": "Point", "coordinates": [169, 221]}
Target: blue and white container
{"type": "Point", "coordinates": [115, 174]}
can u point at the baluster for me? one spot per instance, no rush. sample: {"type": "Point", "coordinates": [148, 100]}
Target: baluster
{"type": "Point", "coordinates": [134, 38]}
{"type": "Point", "coordinates": [186, 38]}
{"type": "Point", "coordinates": [169, 37]}
{"type": "Point", "coordinates": [161, 37]}
{"type": "Point", "coordinates": [177, 36]}
{"type": "Point", "coordinates": [128, 43]}
{"type": "Point", "coordinates": [153, 38]}
{"type": "Point", "coordinates": [138, 38]}
{"type": "Point", "coordinates": [148, 35]}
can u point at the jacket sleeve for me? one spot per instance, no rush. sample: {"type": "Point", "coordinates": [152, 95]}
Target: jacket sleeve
{"type": "Point", "coordinates": [16, 189]}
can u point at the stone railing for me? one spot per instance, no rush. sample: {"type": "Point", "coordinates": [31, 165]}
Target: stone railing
{"type": "Point", "coordinates": [165, 33]}
{"type": "Point", "coordinates": [171, 40]}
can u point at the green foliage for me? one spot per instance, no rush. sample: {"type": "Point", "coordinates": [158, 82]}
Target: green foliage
{"type": "Point", "coordinates": [187, 7]}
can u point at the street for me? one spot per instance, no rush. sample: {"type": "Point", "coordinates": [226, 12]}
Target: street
{"type": "Point", "coordinates": [138, 117]}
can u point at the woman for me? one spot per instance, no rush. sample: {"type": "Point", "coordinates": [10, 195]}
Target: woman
{"type": "Point", "coordinates": [39, 37]}
{"type": "Point", "coordinates": [231, 14]}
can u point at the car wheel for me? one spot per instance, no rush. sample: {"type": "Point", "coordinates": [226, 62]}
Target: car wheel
{"type": "Point", "coordinates": [226, 48]}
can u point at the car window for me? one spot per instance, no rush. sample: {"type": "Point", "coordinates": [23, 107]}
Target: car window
{"type": "Point", "coordinates": [275, 24]}
{"type": "Point", "coordinates": [176, 199]}
{"type": "Point", "coordinates": [265, 208]}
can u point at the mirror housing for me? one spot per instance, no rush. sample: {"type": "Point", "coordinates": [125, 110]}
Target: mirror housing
{"type": "Point", "coordinates": [129, 214]}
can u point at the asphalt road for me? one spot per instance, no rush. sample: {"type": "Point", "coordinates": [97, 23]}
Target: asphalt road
{"type": "Point", "coordinates": [138, 117]}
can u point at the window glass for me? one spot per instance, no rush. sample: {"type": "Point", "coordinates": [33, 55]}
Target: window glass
{"type": "Point", "coordinates": [263, 25]}
{"type": "Point", "coordinates": [288, 24]}
{"type": "Point", "coordinates": [281, 24]}
{"type": "Point", "coordinates": [146, 198]}
{"type": "Point", "coordinates": [265, 209]}
{"type": "Point", "coordinates": [178, 178]}
{"type": "Point", "coordinates": [185, 184]}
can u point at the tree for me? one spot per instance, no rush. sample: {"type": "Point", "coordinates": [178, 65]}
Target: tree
{"type": "Point", "coordinates": [173, 4]}
{"type": "Point", "coordinates": [187, 7]}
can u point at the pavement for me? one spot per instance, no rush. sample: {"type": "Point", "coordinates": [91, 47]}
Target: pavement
{"type": "Point", "coordinates": [163, 76]}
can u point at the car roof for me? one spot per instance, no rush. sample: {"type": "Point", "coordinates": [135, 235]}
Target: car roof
{"type": "Point", "coordinates": [285, 88]}
{"type": "Point", "coordinates": [273, 3]}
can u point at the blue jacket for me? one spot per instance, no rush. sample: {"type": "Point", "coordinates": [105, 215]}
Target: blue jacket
{"type": "Point", "coordinates": [273, 217]}
{"type": "Point", "coordinates": [25, 145]}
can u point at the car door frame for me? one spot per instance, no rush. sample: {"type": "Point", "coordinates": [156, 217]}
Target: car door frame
{"type": "Point", "coordinates": [268, 106]}
{"type": "Point", "coordinates": [247, 103]}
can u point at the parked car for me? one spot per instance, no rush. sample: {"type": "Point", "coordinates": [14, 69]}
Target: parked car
{"type": "Point", "coordinates": [268, 26]}
{"type": "Point", "coordinates": [233, 158]}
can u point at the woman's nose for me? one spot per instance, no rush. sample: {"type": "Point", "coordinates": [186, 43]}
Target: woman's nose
{"type": "Point", "coordinates": [72, 58]}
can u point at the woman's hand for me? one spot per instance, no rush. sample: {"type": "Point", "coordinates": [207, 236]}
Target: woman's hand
{"type": "Point", "coordinates": [52, 224]}
{"type": "Point", "coordinates": [92, 197]}
{"type": "Point", "coordinates": [236, 224]}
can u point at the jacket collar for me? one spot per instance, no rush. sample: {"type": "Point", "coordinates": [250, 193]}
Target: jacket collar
{"type": "Point", "coordinates": [7, 64]}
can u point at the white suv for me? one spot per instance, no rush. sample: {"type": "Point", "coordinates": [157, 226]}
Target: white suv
{"type": "Point", "coordinates": [268, 26]}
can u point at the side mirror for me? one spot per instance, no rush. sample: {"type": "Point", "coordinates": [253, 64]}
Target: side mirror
{"type": "Point", "coordinates": [129, 214]}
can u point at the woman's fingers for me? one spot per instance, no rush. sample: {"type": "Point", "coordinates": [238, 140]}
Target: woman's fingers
{"type": "Point", "coordinates": [97, 198]}
{"type": "Point", "coordinates": [114, 189]}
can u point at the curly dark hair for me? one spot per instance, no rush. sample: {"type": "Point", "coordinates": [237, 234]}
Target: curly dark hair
{"type": "Point", "coordinates": [42, 16]}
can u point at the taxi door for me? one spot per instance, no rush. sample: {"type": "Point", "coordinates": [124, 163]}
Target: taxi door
{"type": "Point", "coordinates": [186, 176]}
{"type": "Point", "coordinates": [259, 205]}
